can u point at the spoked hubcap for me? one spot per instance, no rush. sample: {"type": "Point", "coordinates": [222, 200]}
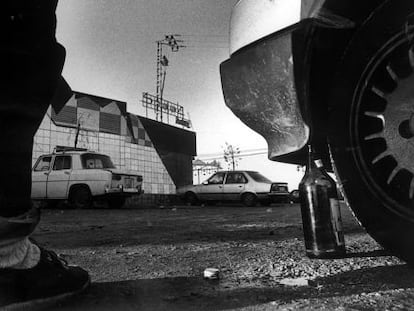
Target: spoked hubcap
{"type": "Point", "coordinates": [383, 125]}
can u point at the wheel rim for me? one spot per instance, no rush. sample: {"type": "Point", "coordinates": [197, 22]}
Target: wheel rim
{"type": "Point", "coordinates": [382, 125]}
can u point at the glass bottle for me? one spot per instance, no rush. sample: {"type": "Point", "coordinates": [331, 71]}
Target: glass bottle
{"type": "Point", "coordinates": [321, 216]}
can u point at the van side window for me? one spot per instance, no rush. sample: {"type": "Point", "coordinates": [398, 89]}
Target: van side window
{"type": "Point", "coordinates": [62, 163]}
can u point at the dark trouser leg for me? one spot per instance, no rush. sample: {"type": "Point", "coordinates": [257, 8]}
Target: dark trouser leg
{"type": "Point", "coordinates": [16, 143]}
{"type": "Point", "coordinates": [31, 62]}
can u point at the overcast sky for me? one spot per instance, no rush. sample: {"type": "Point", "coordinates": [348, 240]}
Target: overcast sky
{"type": "Point", "coordinates": [111, 52]}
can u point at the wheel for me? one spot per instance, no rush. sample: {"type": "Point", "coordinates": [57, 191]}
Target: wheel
{"type": "Point", "coordinates": [249, 199]}
{"type": "Point", "coordinates": [371, 128]}
{"type": "Point", "coordinates": [190, 198]}
{"type": "Point", "coordinates": [80, 197]}
{"type": "Point", "coordinates": [116, 202]}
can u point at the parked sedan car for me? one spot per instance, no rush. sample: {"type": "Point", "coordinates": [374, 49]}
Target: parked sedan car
{"type": "Point", "coordinates": [248, 187]}
{"type": "Point", "coordinates": [80, 176]}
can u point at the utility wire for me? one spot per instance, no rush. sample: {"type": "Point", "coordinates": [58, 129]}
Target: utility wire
{"type": "Point", "coordinates": [200, 35]}
{"type": "Point", "coordinates": [221, 152]}
{"type": "Point", "coordinates": [206, 47]}
{"type": "Point", "coordinates": [239, 155]}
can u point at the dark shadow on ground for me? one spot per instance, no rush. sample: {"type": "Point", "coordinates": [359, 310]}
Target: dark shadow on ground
{"type": "Point", "coordinates": [160, 235]}
{"type": "Point", "coordinates": [190, 293]}
{"type": "Point", "coordinates": [374, 253]}
{"type": "Point", "coordinates": [65, 229]}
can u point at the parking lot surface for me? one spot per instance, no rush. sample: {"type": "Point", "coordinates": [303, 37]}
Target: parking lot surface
{"type": "Point", "coordinates": [153, 259]}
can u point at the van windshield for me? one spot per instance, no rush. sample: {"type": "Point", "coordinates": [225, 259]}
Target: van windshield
{"type": "Point", "coordinates": [93, 161]}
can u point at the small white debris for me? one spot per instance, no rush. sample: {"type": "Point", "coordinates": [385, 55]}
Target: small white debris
{"type": "Point", "coordinates": [294, 282]}
{"type": "Point", "coordinates": [211, 273]}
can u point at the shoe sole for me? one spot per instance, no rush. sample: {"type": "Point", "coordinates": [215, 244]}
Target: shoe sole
{"type": "Point", "coordinates": [42, 303]}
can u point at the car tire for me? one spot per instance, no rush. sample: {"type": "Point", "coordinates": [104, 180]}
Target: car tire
{"type": "Point", "coordinates": [116, 203]}
{"type": "Point", "coordinates": [249, 199]}
{"type": "Point", "coordinates": [370, 133]}
{"type": "Point", "coordinates": [80, 197]}
{"type": "Point", "coordinates": [190, 198]}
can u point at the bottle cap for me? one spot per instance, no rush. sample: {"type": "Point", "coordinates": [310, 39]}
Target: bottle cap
{"type": "Point", "coordinates": [318, 163]}
{"type": "Point", "coordinates": [211, 273]}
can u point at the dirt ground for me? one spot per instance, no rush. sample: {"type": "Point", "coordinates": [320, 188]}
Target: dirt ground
{"type": "Point", "coordinates": [153, 259]}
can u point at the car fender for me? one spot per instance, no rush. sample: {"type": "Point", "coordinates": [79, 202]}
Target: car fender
{"type": "Point", "coordinates": [317, 52]}
{"type": "Point", "coordinates": [248, 192]}
{"type": "Point", "coordinates": [302, 51]}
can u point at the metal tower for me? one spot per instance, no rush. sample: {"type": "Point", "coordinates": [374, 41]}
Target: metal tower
{"type": "Point", "coordinates": [162, 62]}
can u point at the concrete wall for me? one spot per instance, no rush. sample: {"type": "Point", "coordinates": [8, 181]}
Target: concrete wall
{"type": "Point", "coordinates": [107, 128]}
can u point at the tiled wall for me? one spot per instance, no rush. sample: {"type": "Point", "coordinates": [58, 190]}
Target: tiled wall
{"type": "Point", "coordinates": [141, 157]}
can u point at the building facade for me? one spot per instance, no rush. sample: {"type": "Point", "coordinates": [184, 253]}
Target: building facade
{"type": "Point", "coordinates": [161, 153]}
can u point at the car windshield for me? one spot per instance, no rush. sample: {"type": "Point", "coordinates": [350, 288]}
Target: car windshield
{"type": "Point", "coordinates": [259, 177]}
{"type": "Point", "coordinates": [91, 161]}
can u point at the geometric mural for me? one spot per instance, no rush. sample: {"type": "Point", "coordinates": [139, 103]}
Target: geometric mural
{"type": "Point", "coordinates": [101, 114]}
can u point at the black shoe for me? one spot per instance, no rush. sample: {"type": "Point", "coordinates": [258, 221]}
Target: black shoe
{"type": "Point", "coordinates": [50, 281]}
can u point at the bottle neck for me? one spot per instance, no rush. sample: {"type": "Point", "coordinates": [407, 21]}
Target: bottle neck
{"type": "Point", "coordinates": [318, 163]}
{"type": "Point", "coordinates": [311, 162]}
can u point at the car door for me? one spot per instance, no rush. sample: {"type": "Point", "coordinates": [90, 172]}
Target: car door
{"type": "Point", "coordinates": [212, 188]}
{"type": "Point", "coordinates": [40, 174]}
{"type": "Point", "coordinates": [58, 179]}
{"type": "Point", "coordinates": [234, 186]}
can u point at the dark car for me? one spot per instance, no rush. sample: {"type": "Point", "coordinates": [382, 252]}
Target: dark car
{"type": "Point", "coordinates": [338, 74]}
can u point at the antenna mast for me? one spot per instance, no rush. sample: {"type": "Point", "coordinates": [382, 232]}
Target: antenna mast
{"type": "Point", "coordinates": [162, 62]}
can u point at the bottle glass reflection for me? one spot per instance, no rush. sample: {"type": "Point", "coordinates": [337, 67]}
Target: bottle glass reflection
{"type": "Point", "coordinates": [321, 216]}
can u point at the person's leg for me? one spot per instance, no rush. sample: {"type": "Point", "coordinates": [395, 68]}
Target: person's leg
{"type": "Point", "coordinates": [31, 62]}
{"type": "Point", "coordinates": [17, 218]}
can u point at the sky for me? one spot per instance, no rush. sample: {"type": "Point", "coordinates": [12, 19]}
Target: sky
{"type": "Point", "coordinates": [111, 52]}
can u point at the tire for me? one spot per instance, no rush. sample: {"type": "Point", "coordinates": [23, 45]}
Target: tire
{"type": "Point", "coordinates": [190, 198]}
{"type": "Point", "coordinates": [371, 127]}
{"type": "Point", "coordinates": [80, 197]}
{"type": "Point", "coordinates": [116, 203]}
{"type": "Point", "coordinates": [249, 199]}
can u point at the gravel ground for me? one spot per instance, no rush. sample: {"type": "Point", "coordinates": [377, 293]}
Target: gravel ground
{"type": "Point", "coordinates": [153, 259]}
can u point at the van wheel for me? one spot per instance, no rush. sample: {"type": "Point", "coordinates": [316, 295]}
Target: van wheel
{"type": "Point", "coordinates": [80, 197]}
